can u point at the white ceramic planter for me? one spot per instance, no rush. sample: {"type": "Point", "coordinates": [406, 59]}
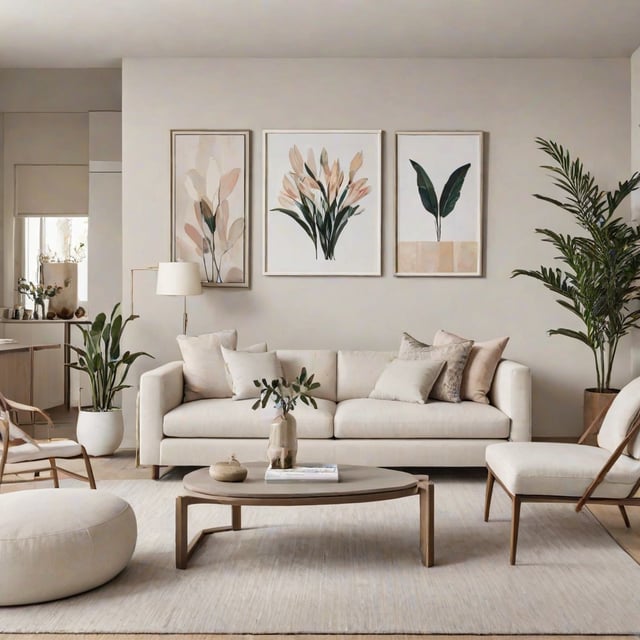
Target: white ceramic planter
{"type": "Point", "coordinates": [100, 432]}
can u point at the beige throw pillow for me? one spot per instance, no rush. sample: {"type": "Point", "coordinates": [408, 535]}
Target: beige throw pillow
{"type": "Point", "coordinates": [447, 386]}
{"type": "Point", "coordinates": [481, 365]}
{"type": "Point", "coordinates": [245, 367]}
{"type": "Point", "coordinates": [203, 366]}
{"type": "Point", "coordinates": [407, 380]}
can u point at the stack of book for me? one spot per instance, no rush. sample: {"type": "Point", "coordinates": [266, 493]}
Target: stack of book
{"type": "Point", "coordinates": [310, 472]}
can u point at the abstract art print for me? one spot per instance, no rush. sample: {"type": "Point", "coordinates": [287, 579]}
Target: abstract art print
{"type": "Point", "coordinates": [439, 221]}
{"type": "Point", "coordinates": [210, 204]}
{"type": "Point", "coordinates": [322, 212]}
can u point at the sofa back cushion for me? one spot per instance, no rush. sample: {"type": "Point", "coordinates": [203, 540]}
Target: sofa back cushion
{"type": "Point", "coordinates": [322, 363]}
{"type": "Point", "coordinates": [358, 372]}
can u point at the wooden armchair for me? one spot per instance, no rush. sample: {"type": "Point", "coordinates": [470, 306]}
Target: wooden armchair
{"type": "Point", "coordinates": [16, 447]}
{"type": "Point", "coordinates": [557, 472]}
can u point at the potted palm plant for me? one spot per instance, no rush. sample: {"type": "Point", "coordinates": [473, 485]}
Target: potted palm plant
{"type": "Point", "coordinates": [598, 277]}
{"type": "Point", "coordinates": [100, 427]}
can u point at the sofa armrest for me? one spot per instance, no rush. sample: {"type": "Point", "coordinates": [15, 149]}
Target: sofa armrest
{"type": "Point", "coordinates": [161, 390]}
{"type": "Point", "coordinates": [511, 393]}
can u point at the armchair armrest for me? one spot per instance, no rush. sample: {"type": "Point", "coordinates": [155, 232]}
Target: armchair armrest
{"type": "Point", "coordinates": [161, 390]}
{"type": "Point", "coordinates": [511, 393]}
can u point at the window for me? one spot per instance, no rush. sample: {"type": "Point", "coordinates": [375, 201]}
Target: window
{"type": "Point", "coordinates": [61, 239]}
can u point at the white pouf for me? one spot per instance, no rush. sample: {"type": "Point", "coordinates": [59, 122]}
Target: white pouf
{"type": "Point", "coordinates": [58, 542]}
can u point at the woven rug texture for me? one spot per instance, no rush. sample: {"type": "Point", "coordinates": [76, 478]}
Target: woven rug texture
{"type": "Point", "coordinates": [356, 569]}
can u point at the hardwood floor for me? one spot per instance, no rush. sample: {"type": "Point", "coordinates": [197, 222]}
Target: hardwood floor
{"type": "Point", "coordinates": [122, 466]}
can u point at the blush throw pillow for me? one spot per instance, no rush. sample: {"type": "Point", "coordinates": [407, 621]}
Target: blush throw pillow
{"type": "Point", "coordinates": [447, 386]}
{"type": "Point", "coordinates": [203, 366]}
{"type": "Point", "coordinates": [407, 380]}
{"type": "Point", "coordinates": [245, 367]}
{"type": "Point", "coordinates": [481, 365]}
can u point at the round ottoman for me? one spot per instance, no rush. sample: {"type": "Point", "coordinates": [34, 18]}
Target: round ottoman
{"type": "Point", "coordinates": [58, 542]}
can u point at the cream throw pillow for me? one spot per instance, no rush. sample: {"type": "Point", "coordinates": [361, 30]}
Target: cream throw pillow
{"type": "Point", "coordinates": [481, 366]}
{"type": "Point", "coordinates": [245, 367]}
{"type": "Point", "coordinates": [447, 386]}
{"type": "Point", "coordinates": [203, 366]}
{"type": "Point", "coordinates": [407, 380]}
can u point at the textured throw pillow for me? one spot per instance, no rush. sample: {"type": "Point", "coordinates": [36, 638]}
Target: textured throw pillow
{"type": "Point", "coordinates": [407, 380]}
{"type": "Point", "coordinates": [246, 367]}
{"type": "Point", "coordinates": [481, 365]}
{"type": "Point", "coordinates": [447, 386]}
{"type": "Point", "coordinates": [203, 366]}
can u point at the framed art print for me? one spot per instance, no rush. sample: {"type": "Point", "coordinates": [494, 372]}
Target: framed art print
{"type": "Point", "coordinates": [322, 212]}
{"type": "Point", "coordinates": [210, 204]}
{"type": "Point", "coordinates": [439, 221]}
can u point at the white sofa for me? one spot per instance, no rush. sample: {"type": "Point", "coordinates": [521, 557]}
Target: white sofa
{"type": "Point", "coordinates": [347, 427]}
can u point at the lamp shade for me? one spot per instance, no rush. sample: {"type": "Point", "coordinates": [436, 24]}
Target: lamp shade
{"type": "Point", "coordinates": [178, 279]}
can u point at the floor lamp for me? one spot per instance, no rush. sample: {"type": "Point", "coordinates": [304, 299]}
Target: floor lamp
{"type": "Point", "coordinates": [179, 279]}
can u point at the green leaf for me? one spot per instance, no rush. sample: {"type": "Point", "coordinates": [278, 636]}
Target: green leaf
{"type": "Point", "coordinates": [207, 216]}
{"type": "Point", "coordinates": [425, 189]}
{"type": "Point", "coordinates": [451, 191]}
{"type": "Point", "coordinates": [256, 404]}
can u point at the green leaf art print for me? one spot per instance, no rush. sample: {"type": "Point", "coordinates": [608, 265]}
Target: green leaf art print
{"type": "Point", "coordinates": [440, 208]}
{"type": "Point", "coordinates": [320, 199]}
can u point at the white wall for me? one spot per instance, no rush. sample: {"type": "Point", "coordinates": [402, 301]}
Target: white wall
{"type": "Point", "coordinates": [635, 166]}
{"type": "Point", "coordinates": [584, 104]}
{"type": "Point", "coordinates": [105, 210]}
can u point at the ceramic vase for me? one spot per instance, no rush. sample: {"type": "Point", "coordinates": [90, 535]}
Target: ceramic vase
{"type": "Point", "coordinates": [100, 432]}
{"type": "Point", "coordinates": [283, 443]}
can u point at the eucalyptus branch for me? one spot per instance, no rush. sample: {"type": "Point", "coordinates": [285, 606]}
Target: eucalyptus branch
{"type": "Point", "coordinates": [285, 394]}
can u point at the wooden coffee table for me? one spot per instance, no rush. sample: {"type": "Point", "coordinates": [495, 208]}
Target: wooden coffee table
{"type": "Point", "coordinates": [357, 484]}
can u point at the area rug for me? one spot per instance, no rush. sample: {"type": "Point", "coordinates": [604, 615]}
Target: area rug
{"type": "Point", "coordinates": [356, 569]}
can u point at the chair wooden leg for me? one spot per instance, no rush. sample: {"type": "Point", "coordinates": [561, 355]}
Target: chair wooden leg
{"type": "Point", "coordinates": [489, 492]}
{"type": "Point", "coordinates": [515, 525]}
{"type": "Point", "coordinates": [625, 516]}
{"type": "Point", "coordinates": [54, 473]}
{"type": "Point", "coordinates": [89, 469]}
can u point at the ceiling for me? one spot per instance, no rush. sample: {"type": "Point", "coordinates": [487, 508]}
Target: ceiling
{"type": "Point", "coordinates": [100, 33]}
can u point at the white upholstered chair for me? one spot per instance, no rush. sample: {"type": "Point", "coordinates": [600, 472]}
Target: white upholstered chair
{"type": "Point", "coordinates": [557, 472]}
{"type": "Point", "coordinates": [17, 447]}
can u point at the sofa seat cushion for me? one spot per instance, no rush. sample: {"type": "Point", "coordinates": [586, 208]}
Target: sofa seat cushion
{"type": "Point", "coordinates": [227, 418]}
{"type": "Point", "coordinates": [369, 418]}
{"type": "Point", "coordinates": [559, 469]}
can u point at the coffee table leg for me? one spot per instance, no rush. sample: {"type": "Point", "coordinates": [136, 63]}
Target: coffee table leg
{"type": "Point", "coordinates": [182, 532]}
{"type": "Point", "coordinates": [236, 517]}
{"type": "Point", "coordinates": [426, 494]}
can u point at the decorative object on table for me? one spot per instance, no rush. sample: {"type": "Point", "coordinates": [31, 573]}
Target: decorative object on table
{"type": "Point", "coordinates": [322, 203]}
{"type": "Point", "coordinates": [80, 312]}
{"type": "Point", "coordinates": [100, 427]}
{"type": "Point", "coordinates": [283, 439]}
{"type": "Point", "coordinates": [439, 222]}
{"type": "Point", "coordinates": [309, 472]}
{"type": "Point", "coordinates": [179, 279]}
{"type": "Point", "coordinates": [27, 314]}
{"type": "Point", "coordinates": [63, 270]}
{"type": "Point", "coordinates": [599, 279]}
{"type": "Point", "coordinates": [38, 293]}
{"type": "Point", "coordinates": [229, 471]}
{"type": "Point", "coordinates": [210, 204]}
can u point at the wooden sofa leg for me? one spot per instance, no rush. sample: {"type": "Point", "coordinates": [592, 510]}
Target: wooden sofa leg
{"type": "Point", "coordinates": [489, 492]}
{"type": "Point", "coordinates": [625, 516]}
{"type": "Point", "coordinates": [155, 472]}
{"type": "Point", "coordinates": [515, 525]}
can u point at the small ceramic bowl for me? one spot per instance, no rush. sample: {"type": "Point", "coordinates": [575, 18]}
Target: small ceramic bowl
{"type": "Point", "coordinates": [229, 471]}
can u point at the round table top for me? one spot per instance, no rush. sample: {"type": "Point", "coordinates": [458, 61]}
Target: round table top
{"type": "Point", "coordinates": [354, 480]}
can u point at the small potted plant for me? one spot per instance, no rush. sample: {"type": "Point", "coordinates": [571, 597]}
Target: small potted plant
{"type": "Point", "coordinates": [100, 427]}
{"type": "Point", "coordinates": [283, 439]}
{"type": "Point", "coordinates": [38, 293]}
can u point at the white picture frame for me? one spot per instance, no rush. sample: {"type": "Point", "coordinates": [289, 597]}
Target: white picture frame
{"type": "Point", "coordinates": [200, 157]}
{"type": "Point", "coordinates": [427, 243]}
{"type": "Point", "coordinates": [350, 244]}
